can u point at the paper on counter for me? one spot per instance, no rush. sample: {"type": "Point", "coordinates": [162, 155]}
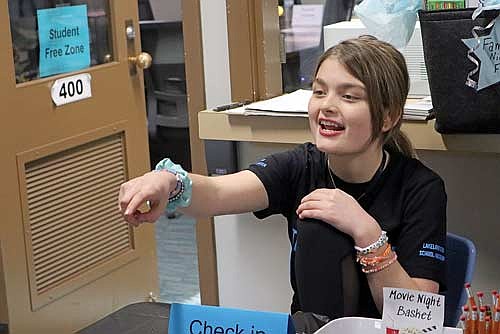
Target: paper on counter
{"type": "Point", "coordinates": [295, 102]}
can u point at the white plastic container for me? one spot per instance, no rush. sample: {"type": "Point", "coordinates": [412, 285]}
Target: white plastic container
{"type": "Point", "coordinates": [357, 325]}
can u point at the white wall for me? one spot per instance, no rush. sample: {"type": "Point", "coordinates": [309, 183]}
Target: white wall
{"type": "Point", "coordinates": [253, 255]}
{"type": "Point", "coordinates": [252, 262]}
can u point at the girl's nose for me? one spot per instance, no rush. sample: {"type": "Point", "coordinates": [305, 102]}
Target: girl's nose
{"type": "Point", "coordinates": [329, 104]}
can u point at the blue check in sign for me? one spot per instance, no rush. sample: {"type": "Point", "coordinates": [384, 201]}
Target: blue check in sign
{"type": "Point", "coordinates": [201, 319]}
{"type": "Point", "coordinates": [63, 33]}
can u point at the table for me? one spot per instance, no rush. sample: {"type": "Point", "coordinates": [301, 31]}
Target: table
{"type": "Point", "coordinates": [137, 318]}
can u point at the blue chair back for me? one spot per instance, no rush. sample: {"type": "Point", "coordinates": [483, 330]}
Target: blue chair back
{"type": "Point", "coordinates": [461, 260]}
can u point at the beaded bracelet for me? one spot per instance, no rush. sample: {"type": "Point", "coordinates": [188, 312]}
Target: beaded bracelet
{"type": "Point", "coordinates": [183, 197]}
{"type": "Point", "coordinates": [178, 191]}
{"type": "Point", "coordinates": [382, 267]}
{"type": "Point", "coordinates": [366, 260]}
{"type": "Point", "coordinates": [382, 240]}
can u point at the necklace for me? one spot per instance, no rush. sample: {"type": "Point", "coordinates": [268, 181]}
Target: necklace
{"type": "Point", "coordinates": [371, 184]}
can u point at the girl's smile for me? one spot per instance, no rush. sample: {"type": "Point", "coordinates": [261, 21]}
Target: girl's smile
{"type": "Point", "coordinates": [330, 127]}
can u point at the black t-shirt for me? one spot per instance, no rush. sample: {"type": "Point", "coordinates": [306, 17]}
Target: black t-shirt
{"type": "Point", "coordinates": [408, 201]}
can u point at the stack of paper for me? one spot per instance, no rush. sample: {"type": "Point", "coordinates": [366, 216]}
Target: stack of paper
{"type": "Point", "coordinates": [292, 104]}
{"type": "Point", "coordinates": [295, 104]}
{"type": "Point", "coordinates": [418, 110]}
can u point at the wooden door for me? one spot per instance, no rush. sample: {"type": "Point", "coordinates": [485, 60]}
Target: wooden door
{"type": "Point", "coordinates": [67, 258]}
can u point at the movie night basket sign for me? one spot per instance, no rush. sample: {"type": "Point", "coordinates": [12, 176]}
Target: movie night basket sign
{"type": "Point", "coordinates": [412, 312]}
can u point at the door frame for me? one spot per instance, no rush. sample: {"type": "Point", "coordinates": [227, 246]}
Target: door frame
{"type": "Point", "coordinates": [205, 233]}
{"type": "Point", "coordinates": [253, 43]}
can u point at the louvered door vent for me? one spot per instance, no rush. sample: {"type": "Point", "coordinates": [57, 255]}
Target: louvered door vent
{"type": "Point", "coordinates": [74, 224]}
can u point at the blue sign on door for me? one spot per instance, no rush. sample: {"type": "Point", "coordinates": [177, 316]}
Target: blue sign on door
{"type": "Point", "coordinates": [63, 33]}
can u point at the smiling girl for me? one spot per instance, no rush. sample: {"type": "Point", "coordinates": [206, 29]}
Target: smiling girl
{"type": "Point", "coordinates": [359, 206]}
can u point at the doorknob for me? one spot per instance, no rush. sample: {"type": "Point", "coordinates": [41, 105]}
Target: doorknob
{"type": "Point", "coordinates": [142, 61]}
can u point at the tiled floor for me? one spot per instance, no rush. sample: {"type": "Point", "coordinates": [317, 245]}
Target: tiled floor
{"type": "Point", "coordinates": [177, 260]}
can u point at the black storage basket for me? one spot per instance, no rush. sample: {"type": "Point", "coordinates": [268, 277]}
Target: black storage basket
{"type": "Point", "coordinates": [458, 108]}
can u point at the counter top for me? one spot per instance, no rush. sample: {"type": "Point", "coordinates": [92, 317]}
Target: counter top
{"type": "Point", "coordinates": [295, 130]}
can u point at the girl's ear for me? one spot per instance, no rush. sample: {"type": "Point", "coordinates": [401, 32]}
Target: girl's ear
{"type": "Point", "coordinates": [389, 122]}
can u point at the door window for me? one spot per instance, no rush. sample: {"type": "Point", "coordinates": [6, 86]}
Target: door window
{"type": "Point", "coordinates": [25, 17]}
{"type": "Point", "coordinates": [301, 25]}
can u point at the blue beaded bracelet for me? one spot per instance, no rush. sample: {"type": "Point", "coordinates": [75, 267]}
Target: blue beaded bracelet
{"type": "Point", "coordinates": [182, 197]}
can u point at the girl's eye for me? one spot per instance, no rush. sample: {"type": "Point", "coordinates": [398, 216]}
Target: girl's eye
{"type": "Point", "coordinates": [318, 92]}
{"type": "Point", "coordinates": [349, 97]}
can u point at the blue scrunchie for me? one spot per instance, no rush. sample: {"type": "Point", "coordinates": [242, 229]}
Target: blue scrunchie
{"type": "Point", "coordinates": [185, 198]}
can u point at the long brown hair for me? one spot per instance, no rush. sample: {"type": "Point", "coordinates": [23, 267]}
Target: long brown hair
{"type": "Point", "coordinates": [382, 69]}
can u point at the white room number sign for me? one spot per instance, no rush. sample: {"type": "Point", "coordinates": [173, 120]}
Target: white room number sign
{"type": "Point", "coordinates": [71, 89]}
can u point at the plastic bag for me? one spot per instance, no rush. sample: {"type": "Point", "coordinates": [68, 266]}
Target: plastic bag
{"type": "Point", "coordinates": [392, 21]}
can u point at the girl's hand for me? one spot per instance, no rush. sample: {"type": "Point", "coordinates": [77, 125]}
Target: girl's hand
{"type": "Point", "coordinates": [152, 188]}
{"type": "Point", "coordinates": [343, 212]}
